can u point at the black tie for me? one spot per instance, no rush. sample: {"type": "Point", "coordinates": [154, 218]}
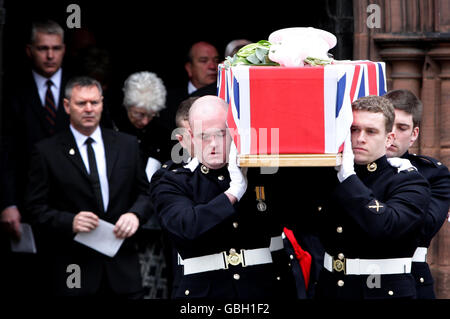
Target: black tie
{"type": "Point", "coordinates": [95, 180]}
{"type": "Point", "coordinates": [50, 107]}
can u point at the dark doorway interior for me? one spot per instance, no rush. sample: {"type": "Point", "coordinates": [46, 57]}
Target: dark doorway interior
{"type": "Point", "coordinates": [155, 35]}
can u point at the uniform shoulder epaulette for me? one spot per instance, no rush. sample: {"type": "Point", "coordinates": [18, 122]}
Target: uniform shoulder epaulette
{"type": "Point", "coordinates": [168, 165]}
{"type": "Point", "coordinates": [171, 166]}
{"type": "Point", "coordinates": [428, 160]}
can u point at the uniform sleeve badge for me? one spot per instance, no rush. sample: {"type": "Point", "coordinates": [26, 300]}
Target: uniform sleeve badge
{"type": "Point", "coordinates": [376, 207]}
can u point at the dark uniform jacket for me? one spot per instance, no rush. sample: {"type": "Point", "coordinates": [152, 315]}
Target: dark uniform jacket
{"type": "Point", "coordinates": [375, 214]}
{"type": "Point", "coordinates": [438, 176]}
{"type": "Point", "coordinates": [200, 220]}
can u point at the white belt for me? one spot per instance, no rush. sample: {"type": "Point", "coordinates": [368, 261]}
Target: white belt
{"type": "Point", "coordinates": [247, 257]}
{"type": "Point", "coordinates": [276, 243]}
{"type": "Point", "coordinates": [420, 255]}
{"type": "Point", "coordinates": [358, 266]}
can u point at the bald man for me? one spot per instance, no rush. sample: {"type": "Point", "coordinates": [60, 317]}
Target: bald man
{"type": "Point", "coordinates": [221, 234]}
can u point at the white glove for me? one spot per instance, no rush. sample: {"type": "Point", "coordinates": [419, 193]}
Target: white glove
{"type": "Point", "coordinates": [347, 168]}
{"type": "Point", "coordinates": [400, 163]}
{"type": "Point", "coordinates": [238, 176]}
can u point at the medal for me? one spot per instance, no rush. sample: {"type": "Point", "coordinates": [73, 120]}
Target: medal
{"type": "Point", "coordinates": [260, 197]}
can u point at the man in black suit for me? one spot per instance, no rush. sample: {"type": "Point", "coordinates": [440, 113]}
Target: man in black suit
{"type": "Point", "coordinates": [78, 177]}
{"type": "Point", "coordinates": [201, 68]}
{"type": "Point", "coordinates": [32, 111]}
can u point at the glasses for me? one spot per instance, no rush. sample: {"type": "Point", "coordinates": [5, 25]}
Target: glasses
{"type": "Point", "coordinates": [141, 115]}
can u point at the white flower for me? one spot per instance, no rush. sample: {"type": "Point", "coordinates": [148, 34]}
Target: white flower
{"type": "Point", "coordinates": [290, 47]}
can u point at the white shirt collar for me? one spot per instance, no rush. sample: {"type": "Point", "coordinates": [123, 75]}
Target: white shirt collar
{"type": "Point", "coordinates": [81, 138]}
{"type": "Point", "coordinates": [41, 81]}
{"type": "Point", "coordinates": [191, 88]}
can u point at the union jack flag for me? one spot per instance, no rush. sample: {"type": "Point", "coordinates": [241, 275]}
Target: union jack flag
{"type": "Point", "coordinates": [283, 110]}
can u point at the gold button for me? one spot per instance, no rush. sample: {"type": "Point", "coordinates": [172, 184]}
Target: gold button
{"type": "Point", "coordinates": [341, 256]}
{"type": "Point", "coordinates": [291, 257]}
{"type": "Point", "coordinates": [340, 283]}
{"type": "Point", "coordinates": [235, 225]}
{"type": "Point", "coordinates": [422, 280]}
{"type": "Point", "coordinates": [236, 276]}
{"type": "Point", "coordinates": [174, 170]}
{"type": "Point", "coordinates": [439, 163]}
{"type": "Point", "coordinates": [390, 293]}
{"type": "Point", "coordinates": [164, 166]}
{"type": "Point", "coordinates": [220, 177]}
{"type": "Point", "coordinates": [278, 278]}
{"type": "Point", "coordinates": [372, 167]}
{"type": "Point", "coordinates": [186, 292]}
{"type": "Point", "coordinates": [204, 169]}
{"type": "Point", "coordinates": [319, 208]}
{"type": "Point", "coordinates": [339, 229]}
{"type": "Point", "coordinates": [289, 264]}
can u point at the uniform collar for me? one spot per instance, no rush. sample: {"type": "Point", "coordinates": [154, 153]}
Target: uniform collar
{"type": "Point", "coordinates": [194, 163]}
{"type": "Point", "coordinates": [373, 167]}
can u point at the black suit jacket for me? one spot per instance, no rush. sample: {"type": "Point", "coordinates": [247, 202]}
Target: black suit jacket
{"type": "Point", "coordinates": [24, 124]}
{"type": "Point", "coordinates": [59, 188]}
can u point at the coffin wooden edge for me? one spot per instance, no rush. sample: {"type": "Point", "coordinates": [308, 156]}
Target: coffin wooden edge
{"type": "Point", "coordinates": [290, 160]}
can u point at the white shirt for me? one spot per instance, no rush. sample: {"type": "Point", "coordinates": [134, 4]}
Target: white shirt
{"type": "Point", "coordinates": [41, 84]}
{"type": "Point", "coordinates": [191, 88]}
{"type": "Point", "coordinates": [100, 159]}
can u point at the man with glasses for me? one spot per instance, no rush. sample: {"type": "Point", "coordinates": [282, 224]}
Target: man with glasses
{"type": "Point", "coordinates": [222, 233]}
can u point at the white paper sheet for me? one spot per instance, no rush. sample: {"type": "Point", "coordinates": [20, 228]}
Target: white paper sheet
{"type": "Point", "coordinates": [101, 239]}
{"type": "Point", "coordinates": [152, 166]}
{"type": "Point", "coordinates": [26, 243]}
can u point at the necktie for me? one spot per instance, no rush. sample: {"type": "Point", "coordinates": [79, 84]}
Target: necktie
{"type": "Point", "coordinates": [50, 107]}
{"type": "Point", "coordinates": [95, 180]}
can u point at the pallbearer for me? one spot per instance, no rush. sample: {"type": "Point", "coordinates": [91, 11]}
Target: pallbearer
{"type": "Point", "coordinates": [408, 112]}
{"type": "Point", "coordinates": [371, 219]}
{"type": "Point", "coordinates": [221, 228]}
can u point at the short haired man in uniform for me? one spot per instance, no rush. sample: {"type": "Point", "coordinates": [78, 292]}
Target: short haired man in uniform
{"type": "Point", "coordinates": [215, 228]}
{"type": "Point", "coordinates": [408, 112]}
{"type": "Point", "coordinates": [370, 221]}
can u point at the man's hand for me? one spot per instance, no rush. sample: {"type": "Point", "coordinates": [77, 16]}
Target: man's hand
{"type": "Point", "coordinates": [347, 168]}
{"type": "Point", "coordinates": [400, 163]}
{"type": "Point", "coordinates": [238, 183]}
{"type": "Point", "coordinates": [10, 221]}
{"type": "Point", "coordinates": [84, 222]}
{"type": "Point", "coordinates": [126, 226]}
